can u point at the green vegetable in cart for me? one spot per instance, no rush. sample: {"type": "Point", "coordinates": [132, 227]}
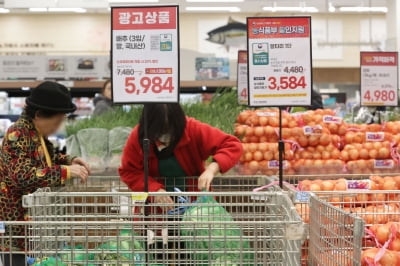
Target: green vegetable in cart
{"type": "Point", "coordinates": [51, 261]}
{"type": "Point", "coordinates": [126, 250]}
{"type": "Point", "coordinates": [208, 232]}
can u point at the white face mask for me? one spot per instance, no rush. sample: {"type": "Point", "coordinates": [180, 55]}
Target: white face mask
{"type": "Point", "coordinates": [165, 141]}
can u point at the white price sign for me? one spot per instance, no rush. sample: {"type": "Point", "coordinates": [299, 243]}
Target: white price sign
{"type": "Point", "coordinates": [145, 54]}
{"type": "Point", "coordinates": [379, 78]}
{"type": "Point", "coordinates": [242, 83]}
{"type": "Point", "coordinates": [279, 61]}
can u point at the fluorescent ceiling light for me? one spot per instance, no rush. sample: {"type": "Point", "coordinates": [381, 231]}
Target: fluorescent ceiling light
{"type": "Point", "coordinates": [214, 1]}
{"type": "Point", "coordinates": [38, 9]}
{"type": "Point", "coordinates": [213, 8]}
{"type": "Point", "coordinates": [67, 9]}
{"type": "Point", "coordinates": [132, 1]}
{"type": "Point", "coordinates": [363, 9]}
{"type": "Point", "coordinates": [331, 8]}
{"type": "Point", "coordinates": [4, 10]}
{"type": "Point", "coordinates": [308, 9]}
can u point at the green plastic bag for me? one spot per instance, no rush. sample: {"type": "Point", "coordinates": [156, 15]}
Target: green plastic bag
{"type": "Point", "coordinates": [212, 242]}
{"type": "Point", "coordinates": [49, 262]}
{"type": "Point", "coordinates": [122, 250]}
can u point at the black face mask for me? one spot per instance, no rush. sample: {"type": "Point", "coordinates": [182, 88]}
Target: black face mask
{"type": "Point", "coordinates": [164, 153]}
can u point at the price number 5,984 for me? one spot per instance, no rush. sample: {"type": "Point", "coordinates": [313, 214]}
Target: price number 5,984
{"type": "Point", "coordinates": [285, 82]}
{"type": "Point", "coordinates": [148, 85]}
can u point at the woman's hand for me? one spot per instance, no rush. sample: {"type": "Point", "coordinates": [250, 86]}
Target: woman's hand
{"type": "Point", "coordinates": [80, 161]}
{"type": "Point", "coordinates": [164, 200]}
{"type": "Point", "coordinates": [79, 171]}
{"type": "Point", "coordinates": [206, 178]}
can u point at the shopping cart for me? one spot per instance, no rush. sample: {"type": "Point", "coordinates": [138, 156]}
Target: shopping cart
{"type": "Point", "coordinates": [301, 199]}
{"type": "Point", "coordinates": [335, 235]}
{"type": "Point", "coordinates": [93, 228]}
{"type": "Point", "coordinates": [369, 207]}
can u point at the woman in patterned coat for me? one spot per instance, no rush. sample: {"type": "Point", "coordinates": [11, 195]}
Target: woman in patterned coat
{"type": "Point", "coordinates": [28, 161]}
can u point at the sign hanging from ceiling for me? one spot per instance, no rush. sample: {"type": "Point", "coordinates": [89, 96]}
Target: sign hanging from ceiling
{"type": "Point", "coordinates": [279, 61]}
{"type": "Point", "coordinates": [243, 97]}
{"type": "Point", "coordinates": [379, 78]}
{"type": "Point", "coordinates": [145, 54]}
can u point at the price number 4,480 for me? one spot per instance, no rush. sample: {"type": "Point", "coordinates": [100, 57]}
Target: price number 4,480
{"type": "Point", "coordinates": [286, 82]}
{"type": "Point", "coordinates": [380, 95]}
{"type": "Point", "coordinates": [147, 84]}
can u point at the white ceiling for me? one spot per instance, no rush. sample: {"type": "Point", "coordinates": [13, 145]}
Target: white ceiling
{"type": "Point", "coordinates": [247, 6]}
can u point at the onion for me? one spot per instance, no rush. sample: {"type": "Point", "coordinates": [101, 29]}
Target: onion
{"type": "Point", "coordinates": [259, 131]}
{"type": "Point", "coordinates": [327, 185]}
{"type": "Point", "coordinates": [252, 147]}
{"type": "Point", "coordinates": [353, 154]}
{"type": "Point", "coordinates": [263, 120]}
{"type": "Point", "coordinates": [258, 156]}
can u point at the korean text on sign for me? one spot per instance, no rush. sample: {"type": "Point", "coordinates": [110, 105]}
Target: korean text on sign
{"type": "Point", "coordinates": [379, 78]}
{"type": "Point", "coordinates": [145, 54]}
{"type": "Point", "coordinates": [279, 61]}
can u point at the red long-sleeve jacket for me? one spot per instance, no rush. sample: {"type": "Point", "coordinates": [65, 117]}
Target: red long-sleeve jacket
{"type": "Point", "coordinates": [198, 143]}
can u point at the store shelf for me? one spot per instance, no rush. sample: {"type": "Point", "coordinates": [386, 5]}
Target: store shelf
{"type": "Point", "coordinates": [89, 88]}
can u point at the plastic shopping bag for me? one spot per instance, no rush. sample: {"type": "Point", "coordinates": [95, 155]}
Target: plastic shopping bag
{"type": "Point", "coordinates": [211, 240]}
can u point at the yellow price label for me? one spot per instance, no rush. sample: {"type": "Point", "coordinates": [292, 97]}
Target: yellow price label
{"type": "Point", "coordinates": [142, 196]}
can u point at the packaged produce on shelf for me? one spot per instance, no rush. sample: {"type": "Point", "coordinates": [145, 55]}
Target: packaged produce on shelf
{"type": "Point", "coordinates": [116, 142]}
{"type": "Point", "coordinates": [376, 257]}
{"type": "Point", "coordinates": [73, 147]}
{"type": "Point", "coordinates": [320, 143]}
{"type": "Point", "coordinates": [262, 158]}
{"type": "Point", "coordinates": [94, 147]}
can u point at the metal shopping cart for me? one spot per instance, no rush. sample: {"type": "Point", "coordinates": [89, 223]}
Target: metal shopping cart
{"type": "Point", "coordinates": [93, 228]}
{"type": "Point", "coordinates": [338, 226]}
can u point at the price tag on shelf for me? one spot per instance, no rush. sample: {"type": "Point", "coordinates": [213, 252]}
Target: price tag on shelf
{"type": "Point", "coordinates": [145, 54]}
{"type": "Point", "coordinates": [379, 78]}
{"type": "Point", "coordinates": [242, 83]}
{"type": "Point", "coordinates": [302, 196]}
{"type": "Point", "coordinates": [279, 61]}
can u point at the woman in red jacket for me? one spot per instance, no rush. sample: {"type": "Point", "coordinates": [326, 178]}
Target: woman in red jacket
{"type": "Point", "coordinates": [179, 146]}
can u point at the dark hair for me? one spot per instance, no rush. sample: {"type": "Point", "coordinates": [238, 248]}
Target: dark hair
{"type": "Point", "coordinates": [108, 81]}
{"type": "Point", "coordinates": [163, 119]}
{"type": "Point", "coordinates": [32, 112]}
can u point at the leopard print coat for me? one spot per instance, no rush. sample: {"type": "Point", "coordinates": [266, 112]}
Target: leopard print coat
{"type": "Point", "coordinates": [23, 169]}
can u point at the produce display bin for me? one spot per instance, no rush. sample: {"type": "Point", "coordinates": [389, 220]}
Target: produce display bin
{"type": "Point", "coordinates": [335, 235]}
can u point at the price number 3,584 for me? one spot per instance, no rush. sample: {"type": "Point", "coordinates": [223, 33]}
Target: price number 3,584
{"type": "Point", "coordinates": [147, 84]}
{"type": "Point", "coordinates": [285, 82]}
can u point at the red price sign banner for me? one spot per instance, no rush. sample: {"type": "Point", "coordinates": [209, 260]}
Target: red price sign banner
{"type": "Point", "coordinates": [279, 61]}
{"type": "Point", "coordinates": [379, 78]}
{"type": "Point", "coordinates": [243, 97]}
{"type": "Point", "coordinates": [145, 54]}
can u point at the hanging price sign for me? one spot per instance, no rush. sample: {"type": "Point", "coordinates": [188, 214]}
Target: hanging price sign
{"type": "Point", "coordinates": [242, 83]}
{"type": "Point", "coordinates": [379, 78]}
{"type": "Point", "coordinates": [279, 61]}
{"type": "Point", "coordinates": [145, 54]}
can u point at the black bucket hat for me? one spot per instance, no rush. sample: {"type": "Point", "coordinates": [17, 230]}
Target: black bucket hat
{"type": "Point", "coordinates": [51, 96]}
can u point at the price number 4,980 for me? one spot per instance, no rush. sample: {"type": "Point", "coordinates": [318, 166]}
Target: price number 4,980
{"type": "Point", "coordinates": [147, 84]}
{"type": "Point", "coordinates": [380, 96]}
{"type": "Point", "coordinates": [286, 82]}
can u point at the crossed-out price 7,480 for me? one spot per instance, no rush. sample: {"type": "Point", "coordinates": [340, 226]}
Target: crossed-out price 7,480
{"type": "Point", "coordinates": [286, 82]}
{"type": "Point", "coordinates": [148, 85]}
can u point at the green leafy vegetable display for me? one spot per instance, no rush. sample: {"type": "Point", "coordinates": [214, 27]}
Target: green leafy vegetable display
{"type": "Point", "coordinates": [221, 113]}
{"type": "Point", "coordinates": [213, 241]}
